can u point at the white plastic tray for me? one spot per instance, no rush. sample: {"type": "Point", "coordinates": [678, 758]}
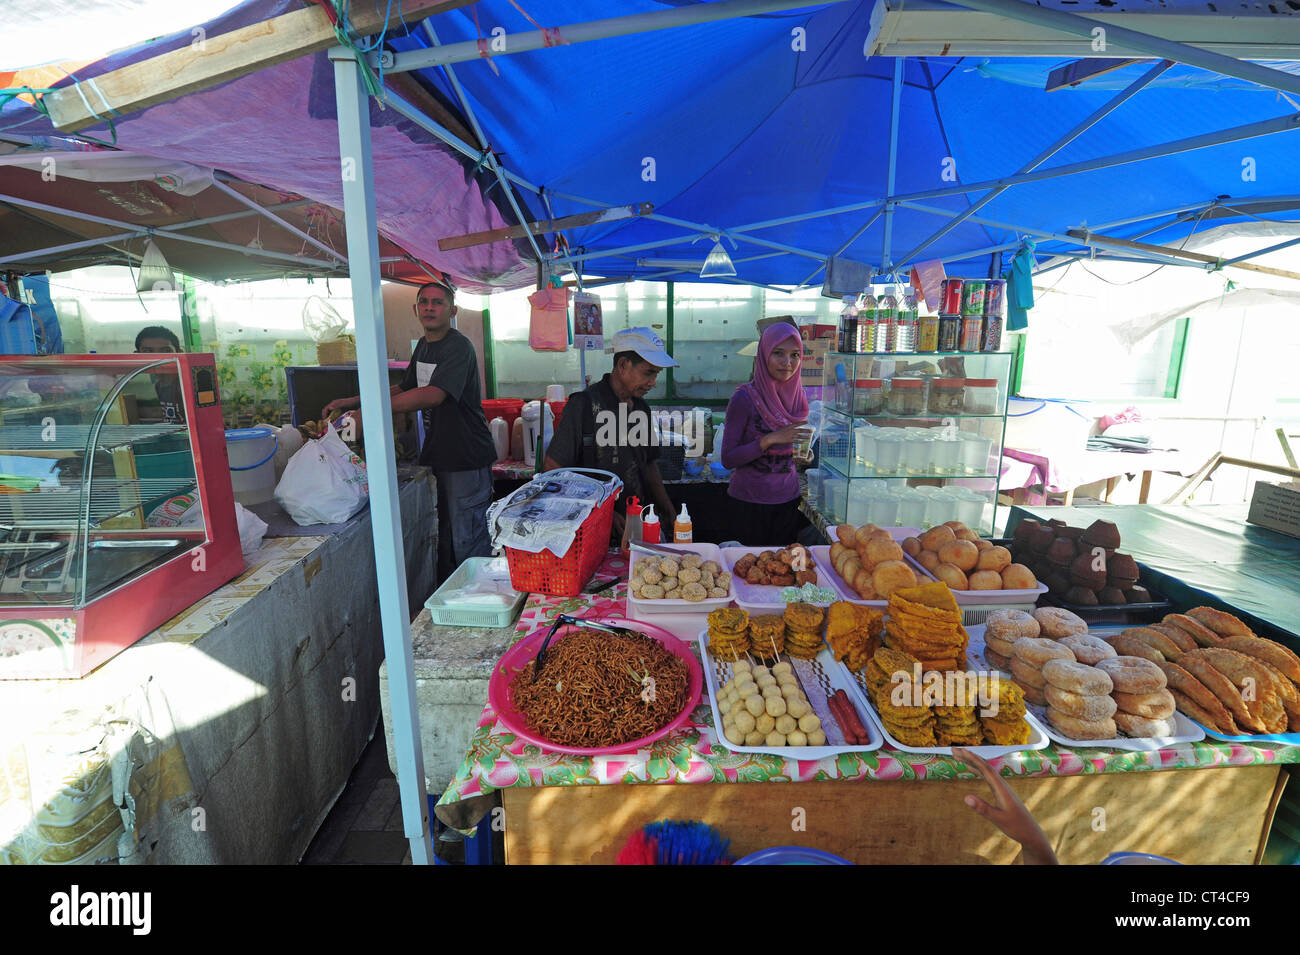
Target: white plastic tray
{"type": "Point", "coordinates": [1037, 732]}
{"type": "Point", "coordinates": [1187, 730]}
{"type": "Point", "coordinates": [822, 557]}
{"type": "Point", "coordinates": [819, 678]}
{"type": "Point", "coordinates": [673, 604]}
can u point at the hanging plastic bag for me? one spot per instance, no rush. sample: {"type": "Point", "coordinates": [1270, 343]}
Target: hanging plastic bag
{"type": "Point", "coordinates": [548, 327]}
{"type": "Point", "coordinates": [323, 483]}
{"type": "Point", "coordinates": [251, 529]}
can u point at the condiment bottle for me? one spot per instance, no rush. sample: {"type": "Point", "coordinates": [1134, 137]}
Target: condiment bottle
{"type": "Point", "coordinates": [632, 525]}
{"type": "Point", "coordinates": [848, 330]}
{"type": "Point", "coordinates": [887, 322]}
{"type": "Point", "coordinates": [650, 525]}
{"type": "Point", "coordinates": [682, 529]}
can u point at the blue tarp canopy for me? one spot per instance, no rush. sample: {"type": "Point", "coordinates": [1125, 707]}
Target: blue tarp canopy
{"type": "Point", "coordinates": [726, 125]}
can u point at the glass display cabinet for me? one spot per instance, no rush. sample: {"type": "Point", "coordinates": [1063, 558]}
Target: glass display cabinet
{"type": "Point", "coordinates": [116, 509]}
{"type": "Point", "coordinates": [913, 440]}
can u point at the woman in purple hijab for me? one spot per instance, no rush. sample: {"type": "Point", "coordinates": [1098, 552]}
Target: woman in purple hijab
{"type": "Point", "coordinates": [764, 420]}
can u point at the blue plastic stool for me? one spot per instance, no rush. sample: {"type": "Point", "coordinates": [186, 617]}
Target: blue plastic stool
{"type": "Point", "coordinates": [478, 847]}
{"type": "Point", "coordinates": [792, 855]}
{"type": "Point", "coordinates": [1137, 858]}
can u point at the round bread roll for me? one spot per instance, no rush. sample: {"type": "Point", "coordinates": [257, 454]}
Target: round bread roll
{"type": "Point", "coordinates": [962, 553]}
{"type": "Point", "coordinates": [1018, 577]}
{"type": "Point", "coordinates": [995, 558]}
{"type": "Point", "coordinates": [912, 547]}
{"type": "Point", "coordinates": [863, 535]}
{"type": "Point", "coordinates": [985, 580]}
{"type": "Point", "coordinates": [845, 533]}
{"type": "Point", "coordinates": [952, 575]}
{"type": "Point", "coordinates": [929, 560]}
{"type": "Point", "coordinates": [936, 537]}
{"type": "Point", "coordinates": [880, 549]}
{"type": "Point", "coordinates": [984, 545]}
{"type": "Point", "coordinates": [968, 535]}
{"type": "Point", "coordinates": [891, 575]}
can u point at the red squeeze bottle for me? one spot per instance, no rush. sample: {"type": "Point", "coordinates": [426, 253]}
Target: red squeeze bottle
{"type": "Point", "coordinates": [650, 525]}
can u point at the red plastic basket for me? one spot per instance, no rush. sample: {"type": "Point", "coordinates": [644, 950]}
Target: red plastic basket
{"type": "Point", "coordinates": [565, 576]}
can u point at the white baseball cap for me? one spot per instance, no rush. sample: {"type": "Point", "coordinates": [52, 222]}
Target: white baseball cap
{"type": "Point", "coordinates": [645, 343]}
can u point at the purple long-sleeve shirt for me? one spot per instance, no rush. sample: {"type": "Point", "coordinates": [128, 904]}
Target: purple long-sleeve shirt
{"type": "Point", "coordinates": [760, 477]}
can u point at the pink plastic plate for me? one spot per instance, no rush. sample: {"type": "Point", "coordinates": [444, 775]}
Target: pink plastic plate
{"type": "Point", "coordinates": [523, 652]}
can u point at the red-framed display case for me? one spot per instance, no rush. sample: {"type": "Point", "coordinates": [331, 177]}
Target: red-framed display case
{"type": "Point", "coordinates": [116, 509]}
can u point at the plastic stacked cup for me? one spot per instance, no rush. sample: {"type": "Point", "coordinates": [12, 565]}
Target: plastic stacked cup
{"type": "Point", "coordinates": [884, 508]}
{"type": "Point", "coordinates": [912, 505]}
{"type": "Point", "coordinates": [889, 452]}
{"type": "Point", "coordinates": [864, 449]}
{"type": "Point", "coordinates": [946, 453]}
{"type": "Point", "coordinates": [917, 451]}
{"type": "Point", "coordinates": [975, 453]}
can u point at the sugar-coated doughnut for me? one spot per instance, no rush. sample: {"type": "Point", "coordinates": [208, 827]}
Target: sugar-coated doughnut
{"type": "Point", "coordinates": [1034, 694]}
{"type": "Point", "coordinates": [997, 660]}
{"type": "Point", "coordinates": [1079, 706]}
{"type": "Point", "coordinates": [1077, 678]}
{"type": "Point", "coordinates": [1152, 706]}
{"type": "Point", "coordinates": [1133, 674]}
{"type": "Point", "coordinates": [1058, 622]}
{"type": "Point", "coordinates": [1089, 650]}
{"type": "Point", "coordinates": [1038, 650]}
{"type": "Point", "coordinates": [1001, 647]}
{"type": "Point", "coordinates": [1141, 727]}
{"type": "Point", "coordinates": [1075, 728]}
{"type": "Point", "coordinates": [1026, 675]}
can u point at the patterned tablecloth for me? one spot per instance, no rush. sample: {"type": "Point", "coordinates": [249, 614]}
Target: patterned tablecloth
{"type": "Point", "coordinates": [497, 759]}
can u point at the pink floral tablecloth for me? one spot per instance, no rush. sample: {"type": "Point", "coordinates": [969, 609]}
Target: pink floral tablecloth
{"type": "Point", "coordinates": [497, 759]}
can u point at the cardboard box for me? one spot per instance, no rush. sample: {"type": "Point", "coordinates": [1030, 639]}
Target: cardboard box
{"type": "Point", "coordinates": [341, 352]}
{"type": "Point", "coordinates": [813, 372]}
{"type": "Point", "coordinates": [763, 323]}
{"type": "Point", "coordinates": [1277, 507]}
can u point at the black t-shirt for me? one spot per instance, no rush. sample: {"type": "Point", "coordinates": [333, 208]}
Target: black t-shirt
{"type": "Point", "coordinates": [627, 460]}
{"type": "Point", "coordinates": [456, 435]}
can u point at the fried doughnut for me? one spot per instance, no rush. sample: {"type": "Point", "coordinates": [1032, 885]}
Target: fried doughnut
{"type": "Point", "coordinates": [1133, 647]}
{"type": "Point", "coordinates": [1156, 641]}
{"type": "Point", "coordinates": [1142, 727]}
{"type": "Point", "coordinates": [1133, 674]}
{"type": "Point", "coordinates": [1220, 623]}
{"type": "Point", "coordinates": [1080, 706]}
{"type": "Point", "coordinates": [1077, 678]}
{"type": "Point", "coordinates": [845, 532]}
{"type": "Point", "coordinates": [880, 549]}
{"type": "Point", "coordinates": [997, 660]}
{"type": "Point", "coordinates": [1026, 675]}
{"type": "Point", "coordinates": [1089, 650]}
{"type": "Point", "coordinates": [1000, 647]}
{"type": "Point", "coordinates": [1036, 651]}
{"type": "Point", "coordinates": [891, 575]}
{"type": "Point", "coordinates": [1203, 635]}
{"type": "Point", "coordinates": [689, 575]}
{"type": "Point", "coordinates": [1075, 728]}
{"type": "Point", "coordinates": [1058, 622]}
{"type": "Point", "coordinates": [1034, 694]}
{"type": "Point", "coordinates": [1154, 706]}
{"type": "Point", "coordinates": [1010, 625]}
{"type": "Point", "coordinates": [694, 561]}
{"type": "Point", "coordinates": [694, 591]}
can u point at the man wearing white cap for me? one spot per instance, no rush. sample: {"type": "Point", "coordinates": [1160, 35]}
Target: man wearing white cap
{"type": "Point", "coordinates": [609, 425]}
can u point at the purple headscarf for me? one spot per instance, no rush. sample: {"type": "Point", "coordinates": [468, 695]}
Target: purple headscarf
{"type": "Point", "coordinates": [779, 403]}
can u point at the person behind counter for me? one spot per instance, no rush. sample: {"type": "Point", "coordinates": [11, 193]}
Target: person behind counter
{"type": "Point", "coordinates": [585, 440]}
{"type": "Point", "coordinates": [765, 417]}
{"type": "Point", "coordinates": [158, 340]}
{"type": "Point", "coordinates": [442, 381]}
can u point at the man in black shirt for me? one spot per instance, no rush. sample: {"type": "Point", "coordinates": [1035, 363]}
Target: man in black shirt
{"type": "Point", "coordinates": [593, 416]}
{"type": "Point", "coordinates": [442, 381]}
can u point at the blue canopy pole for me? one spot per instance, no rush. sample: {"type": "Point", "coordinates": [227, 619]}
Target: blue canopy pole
{"type": "Point", "coordinates": [894, 104]}
{"type": "Point", "coordinates": [1104, 110]}
{"type": "Point", "coordinates": [377, 415]}
{"type": "Point", "coordinates": [1251, 255]}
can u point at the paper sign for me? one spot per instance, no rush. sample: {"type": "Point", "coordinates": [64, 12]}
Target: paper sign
{"type": "Point", "coordinates": [588, 322]}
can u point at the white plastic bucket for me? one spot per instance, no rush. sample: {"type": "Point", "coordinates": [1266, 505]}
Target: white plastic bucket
{"type": "Point", "coordinates": [252, 466]}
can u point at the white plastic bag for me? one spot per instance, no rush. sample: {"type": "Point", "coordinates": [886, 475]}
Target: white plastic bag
{"type": "Point", "coordinates": [251, 529]}
{"type": "Point", "coordinates": [323, 483]}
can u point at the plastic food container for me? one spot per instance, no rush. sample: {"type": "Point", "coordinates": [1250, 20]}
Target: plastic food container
{"type": "Point", "coordinates": [947, 396]}
{"type": "Point", "coordinates": [906, 396]}
{"type": "Point", "coordinates": [449, 609]}
{"type": "Point", "coordinates": [638, 608]}
{"type": "Point", "coordinates": [981, 396]}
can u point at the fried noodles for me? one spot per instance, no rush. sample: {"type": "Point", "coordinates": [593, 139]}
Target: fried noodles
{"type": "Point", "coordinates": [594, 692]}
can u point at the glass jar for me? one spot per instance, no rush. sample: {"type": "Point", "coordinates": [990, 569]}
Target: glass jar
{"type": "Point", "coordinates": [981, 396]}
{"type": "Point", "coordinates": [906, 396]}
{"type": "Point", "coordinates": [947, 396]}
{"type": "Point", "coordinates": [869, 396]}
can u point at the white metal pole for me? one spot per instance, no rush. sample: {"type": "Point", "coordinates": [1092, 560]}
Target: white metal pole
{"type": "Point", "coordinates": [376, 415]}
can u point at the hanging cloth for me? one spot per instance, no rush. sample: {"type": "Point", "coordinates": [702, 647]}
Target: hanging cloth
{"type": "Point", "coordinates": [1020, 287]}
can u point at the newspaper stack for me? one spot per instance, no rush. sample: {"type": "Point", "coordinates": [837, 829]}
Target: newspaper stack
{"type": "Point", "coordinates": [545, 513]}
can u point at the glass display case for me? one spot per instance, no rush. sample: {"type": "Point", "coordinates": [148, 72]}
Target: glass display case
{"type": "Point", "coordinates": [913, 440]}
{"type": "Point", "coordinates": [116, 509]}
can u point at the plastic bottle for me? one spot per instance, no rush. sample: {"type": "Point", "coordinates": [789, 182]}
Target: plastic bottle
{"type": "Point", "coordinates": [908, 323]}
{"type": "Point", "coordinates": [887, 321]}
{"type": "Point", "coordinates": [848, 331]}
{"type": "Point", "coordinates": [682, 529]}
{"type": "Point", "coordinates": [649, 525]}
{"type": "Point", "coordinates": [500, 437]}
{"type": "Point", "coordinates": [868, 311]}
{"type": "Point", "coordinates": [631, 526]}
{"type": "Point", "coordinates": [517, 440]}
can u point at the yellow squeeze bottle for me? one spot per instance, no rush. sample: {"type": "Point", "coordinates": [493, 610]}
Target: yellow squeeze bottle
{"type": "Point", "coordinates": [682, 527]}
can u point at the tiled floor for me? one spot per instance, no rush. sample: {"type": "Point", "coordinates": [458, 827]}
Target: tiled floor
{"type": "Point", "coordinates": [365, 826]}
